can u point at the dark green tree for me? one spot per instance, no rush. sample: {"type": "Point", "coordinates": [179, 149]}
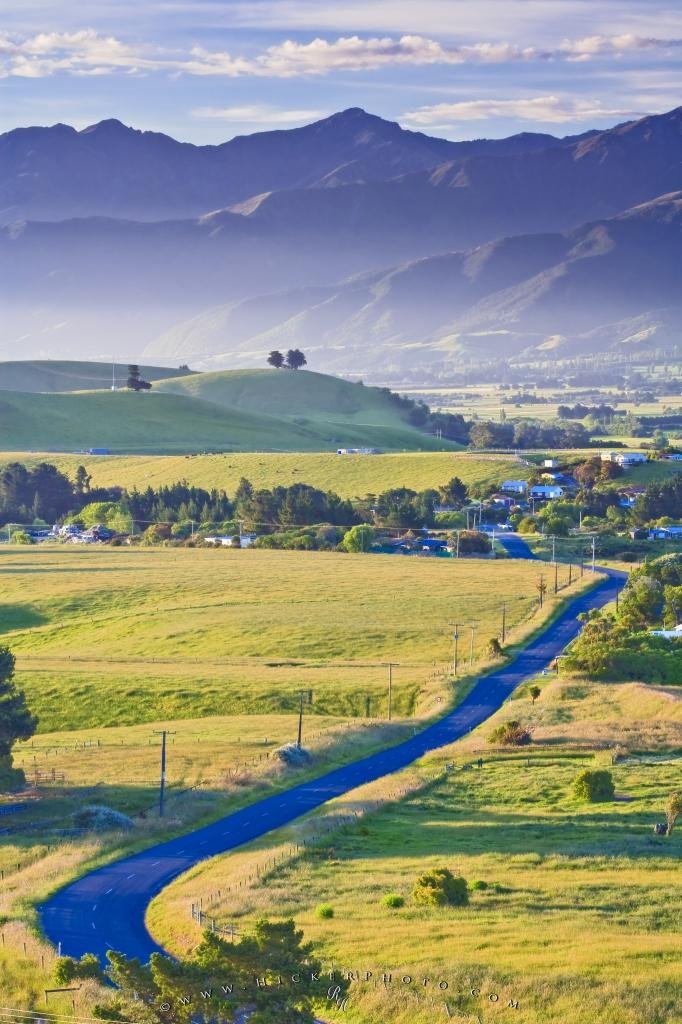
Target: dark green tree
{"type": "Point", "coordinates": [82, 483]}
{"type": "Point", "coordinates": [276, 359]}
{"type": "Point", "coordinates": [295, 359]}
{"type": "Point", "coordinates": [16, 720]}
{"type": "Point", "coordinates": [272, 972]}
{"type": "Point", "coordinates": [134, 381]}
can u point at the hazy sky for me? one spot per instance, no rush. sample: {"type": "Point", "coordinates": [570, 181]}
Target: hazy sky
{"type": "Point", "coordinates": [205, 70]}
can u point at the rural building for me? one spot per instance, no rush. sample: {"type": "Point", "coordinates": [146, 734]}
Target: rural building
{"type": "Point", "coordinates": [547, 492]}
{"type": "Point", "coordinates": [630, 458]}
{"type": "Point", "coordinates": [514, 486]}
{"type": "Point", "coordinates": [231, 540]}
{"type": "Point", "coordinates": [357, 451]}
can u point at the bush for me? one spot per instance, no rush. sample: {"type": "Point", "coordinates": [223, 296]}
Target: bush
{"type": "Point", "coordinates": [101, 819]}
{"type": "Point", "coordinates": [440, 888]}
{"type": "Point", "coordinates": [66, 969]}
{"type": "Point", "coordinates": [594, 785]}
{"type": "Point", "coordinates": [393, 901]}
{"type": "Point", "coordinates": [325, 911]}
{"type": "Point", "coordinates": [510, 734]}
{"type": "Point", "coordinates": [22, 537]}
{"type": "Point", "coordinates": [478, 886]}
{"type": "Point", "coordinates": [293, 756]}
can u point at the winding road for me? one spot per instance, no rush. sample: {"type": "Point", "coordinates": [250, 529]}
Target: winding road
{"type": "Point", "coordinates": [106, 908]}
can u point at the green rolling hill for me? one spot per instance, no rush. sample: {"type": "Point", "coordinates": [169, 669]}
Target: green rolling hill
{"type": "Point", "coordinates": [162, 422]}
{"type": "Point", "coordinates": [51, 375]}
{"type": "Point", "coordinates": [297, 395]}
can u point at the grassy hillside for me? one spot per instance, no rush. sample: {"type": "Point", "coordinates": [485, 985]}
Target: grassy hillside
{"type": "Point", "coordinates": [134, 635]}
{"type": "Point", "coordinates": [50, 375]}
{"type": "Point", "coordinates": [294, 395]}
{"type": "Point", "coordinates": [575, 914]}
{"type": "Point", "coordinates": [348, 475]}
{"type": "Point", "coordinates": [163, 422]}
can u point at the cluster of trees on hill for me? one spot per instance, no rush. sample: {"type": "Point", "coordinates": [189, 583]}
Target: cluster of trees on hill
{"type": "Point", "coordinates": [293, 360]}
{"type": "Point", "coordinates": [619, 645]}
{"type": "Point", "coordinates": [528, 434]}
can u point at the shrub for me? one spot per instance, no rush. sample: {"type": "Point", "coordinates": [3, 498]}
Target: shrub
{"type": "Point", "coordinates": [293, 756]}
{"type": "Point", "coordinates": [101, 819]}
{"type": "Point", "coordinates": [66, 969]}
{"type": "Point", "coordinates": [594, 785]}
{"type": "Point", "coordinates": [510, 734]}
{"type": "Point", "coordinates": [494, 648]}
{"type": "Point", "coordinates": [440, 888]}
{"type": "Point", "coordinates": [672, 811]}
{"type": "Point", "coordinates": [393, 901]}
{"type": "Point", "coordinates": [325, 911]}
{"type": "Point", "coordinates": [479, 885]}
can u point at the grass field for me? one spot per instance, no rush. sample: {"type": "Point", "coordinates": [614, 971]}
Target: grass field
{"type": "Point", "coordinates": [349, 476]}
{"type": "Point", "coordinates": [134, 635]}
{"type": "Point", "coordinates": [580, 919]}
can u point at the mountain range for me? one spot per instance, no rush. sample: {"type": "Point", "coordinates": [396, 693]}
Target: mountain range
{"type": "Point", "coordinates": [369, 245]}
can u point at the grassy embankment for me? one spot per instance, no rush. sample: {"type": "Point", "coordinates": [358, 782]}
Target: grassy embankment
{"type": "Point", "coordinates": [128, 636]}
{"type": "Point", "coordinates": [580, 919]}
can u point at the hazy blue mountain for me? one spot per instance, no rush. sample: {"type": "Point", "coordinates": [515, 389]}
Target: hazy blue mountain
{"type": "Point", "coordinates": [609, 281]}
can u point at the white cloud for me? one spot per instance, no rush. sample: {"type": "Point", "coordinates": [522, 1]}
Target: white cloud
{"type": "Point", "coordinates": [88, 52]}
{"type": "Point", "coordinates": [259, 113]}
{"type": "Point", "coordinates": [539, 109]}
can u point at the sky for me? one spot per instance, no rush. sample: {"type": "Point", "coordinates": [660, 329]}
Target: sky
{"type": "Point", "coordinates": [207, 70]}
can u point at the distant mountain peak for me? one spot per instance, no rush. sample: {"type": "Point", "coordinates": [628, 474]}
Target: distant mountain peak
{"type": "Point", "coordinates": [109, 126]}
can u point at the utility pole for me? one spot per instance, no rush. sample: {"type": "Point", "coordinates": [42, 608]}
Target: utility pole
{"type": "Point", "coordinates": [553, 539]}
{"type": "Point", "coordinates": [556, 577]}
{"type": "Point", "coordinates": [570, 573]}
{"type": "Point", "coordinates": [471, 645]}
{"type": "Point", "coordinates": [504, 621]}
{"type": "Point", "coordinates": [542, 587]}
{"type": "Point", "coordinates": [455, 637]}
{"type": "Point", "coordinates": [390, 665]}
{"type": "Point", "coordinates": [162, 787]}
{"type": "Point", "coordinates": [301, 696]}
{"type": "Point", "coordinates": [594, 549]}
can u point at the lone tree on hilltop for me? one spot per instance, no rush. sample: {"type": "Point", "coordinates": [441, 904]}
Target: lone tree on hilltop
{"type": "Point", "coordinates": [135, 382]}
{"type": "Point", "coordinates": [276, 359]}
{"type": "Point", "coordinates": [295, 359]}
{"type": "Point", "coordinates": [16, 721]}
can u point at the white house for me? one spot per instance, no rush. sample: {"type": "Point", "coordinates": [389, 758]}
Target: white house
{"type": "Point", "coordinates": [629, 458]}
{"type": "Point", "coordinates": [549, 492]}
{"type": "Point", "coordinates": [514, 486]}
{"type": "Point", "coordinates": [231, 540]}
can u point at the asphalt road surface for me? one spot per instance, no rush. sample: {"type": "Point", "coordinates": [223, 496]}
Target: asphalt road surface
{"type": "Point", "coordinates": [106, 909]}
